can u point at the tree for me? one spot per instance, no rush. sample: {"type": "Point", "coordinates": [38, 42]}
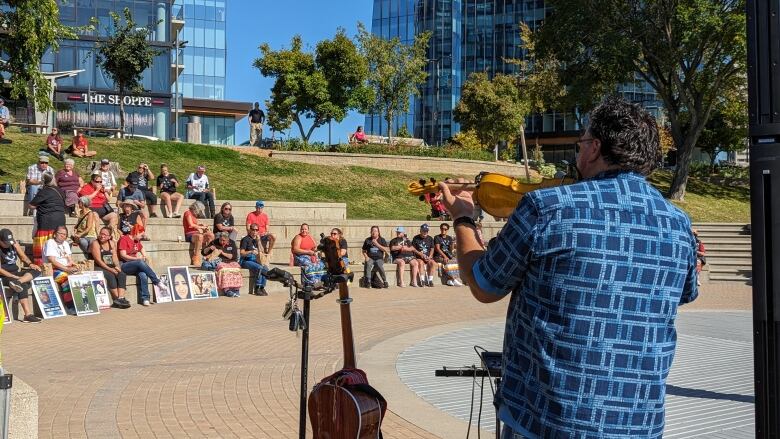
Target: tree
{"type": "Point", "coordinates": [30, 27]}
{"type": "Point", "coordinates": [320, 86]}
{"type": "Point", "coordinates": [688, 51]}
{"type": "Point", "coordinates": [727, 129]}
{"type": "Point", "coordinates": [124, 56]}
{"type": "Point", "coordinates": [396, 71]}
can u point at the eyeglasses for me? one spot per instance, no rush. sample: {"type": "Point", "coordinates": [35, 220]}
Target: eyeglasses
{"type": "Point", "coordinates": [43, 163]}
{"type": "Point", "coordinates": [98, 181]}
{"type": "Point", "coordinates": [254, 229]}
{"type": "Point", "coordinates": [334, 233]}
{"type": "Point", "coordinates": [582, 141]}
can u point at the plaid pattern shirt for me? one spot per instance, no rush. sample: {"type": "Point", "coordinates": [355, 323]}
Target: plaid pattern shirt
{"type": "Point", "coordinates": [597, 270]}
{"type": "Point", "coordinates": [35, 173]}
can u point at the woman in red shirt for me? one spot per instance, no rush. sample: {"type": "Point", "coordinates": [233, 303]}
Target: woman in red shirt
{"type": "Point", "coordinates": [79, 147]}
{"type": "Point", "coordinates": [133, 257]}
{"type": "Point", "coordinates": [304, 249]}
{"type": "Point", "coordinates": [197, 234]}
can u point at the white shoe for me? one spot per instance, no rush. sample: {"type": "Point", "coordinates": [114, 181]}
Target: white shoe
{"type": "Point", "coordinates": [146, 303]}
{"type": "Point", "coordinates": [451, 283]}
{"type": "Point", "coordinates": [457, 282]}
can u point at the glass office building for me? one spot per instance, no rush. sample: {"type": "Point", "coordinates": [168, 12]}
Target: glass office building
{"type": "Point", "coordinates": [89, 99]}
{"type": "Point", "coordinates": [470, 36]}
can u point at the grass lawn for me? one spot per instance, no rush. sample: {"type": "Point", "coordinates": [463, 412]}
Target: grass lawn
{"type": "Point", "coordinates": [369, 193]}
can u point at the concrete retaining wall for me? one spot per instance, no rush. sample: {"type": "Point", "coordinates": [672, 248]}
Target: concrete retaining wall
{"type": "Point", "coordinates": [24, 411]}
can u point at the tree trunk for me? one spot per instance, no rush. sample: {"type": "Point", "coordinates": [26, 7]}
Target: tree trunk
{"type": "Point", "coordinates": [300, 128]}
{"type": "Point", "coordinates": [525, 153]}
{"type": "Point", "coordinates": [121, 112]}
{"type": "Point", "coordinates": [389, 120]}
{"type": "Point", "coordinates": [684, 155]}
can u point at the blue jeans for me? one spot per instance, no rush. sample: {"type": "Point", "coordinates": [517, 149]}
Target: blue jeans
{"type": "Point", "coordinates": [257, 270]}
{"type": "Point", "coordinates": [144, 274]}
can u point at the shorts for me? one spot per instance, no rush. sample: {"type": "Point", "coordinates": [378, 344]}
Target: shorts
{"type": "Point", "coordinates": [113, 280]}
{"type": "Point", "coordinates": [102, 211]}
{"type": "Point", "coordinates": [150, 196]}
{"type": "Point", "coordinates": [406, 259]}
{"type": "Point", "coordinates": [265, 238]}
{"type": "Point", "coordinates": [188, 238]}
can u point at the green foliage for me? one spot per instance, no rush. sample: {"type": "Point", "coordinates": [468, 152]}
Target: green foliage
{"type": "Point", "coordinates": [30, 27]}
{"type": "Point", "coordinates": [396, 71]}
{"type": "Point", "coordinates": [547, 170]}
{"type": "Point", "coordinates": [690, 52]}
{"type": "Point", "coordinates": [494, 109]}
{"type": "Point", "coordinates": [727, 129]}
{"type": "Point", "coordinates": [320, 86]}
{"type": "Point", "coordinates": [538, 155]}
{"type": "Point", "coordinates": [467, 140]}
{"type": "Point", "coordinates": [403, 132]}
{"type": "Point", "coordinates": [125, 55]}
{"type": "Point", "coordinates": [450, 151]}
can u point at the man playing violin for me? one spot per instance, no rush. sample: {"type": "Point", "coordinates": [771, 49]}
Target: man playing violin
{"type": "Point", "coordinates": [595, 272]}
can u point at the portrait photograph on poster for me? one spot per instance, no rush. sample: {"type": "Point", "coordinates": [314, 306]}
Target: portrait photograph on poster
{"type": "Point", "coordinates": [179, 278]}
{"type": "Point", "coordinates": [7, 320]}
{"type": "Point", "coordinates": [203, 285]}
{"type": "Point", "coordinates": [45, 292]}
{"type": "Point", "coordinates": [83, 294]}
{"type": "Point", "coordinates": [102, 296]}
{"type": "Point", "coordinates": [159, 295]}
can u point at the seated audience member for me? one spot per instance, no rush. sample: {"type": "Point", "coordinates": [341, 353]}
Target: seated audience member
{"type": "Point", "coordinates": [261, 219]}
{"type": "Point", "coordinates": [99, 204]}
{"type": "Point", "coordinates": [402, 252]}
{"type": "Point", "coordinates": [109, 179]}
{"type": "Point", "coordinates": [103, 251]}
{"type": "Point", "coordinates": [167, 184]}
{"type": "Point", "coordinates": [303, 246]}
{"type": "Point", "coordinates": [224, 221]}
{"type": "Point", "coordinates": [337, 235]}
{"type": "Point", "coordinates": [86, 229]}
{"type": "Point", "coordinates": [34, 180]}
{"type": "Point", "coordinates": [57, 252]}
{"type": "Point", "coordinates": [249, 249]}
{"type": "Point", "coordinates": [423, 250]}
{"type": "Point", "coordinates": [374, 249]}
{"type": "Point", "coordinates": [70, 182]}
{"type": "Point", "coordinates": [17, 280]}
{"type": "Point", "coordinates": [197, 234]}
{"type": "Point", "coordinates": [701, 256]}
{"type": "Point", "coordinates": [199, 189]}
{"type": "Point", "coordinates": [133, 257]}
{"type": "Point", "coordinates": [358, 136]}
{"type": "Point", "coordinates": [129, 216]}
{"type": "Point", "coordinates": [5, 118]}
{"type": "Point", "coordinates": [222, 256]}
{"type": "Point", "coordinates": [134, 195]}
{"type": "Point", "coordinates": [49, 206]}
{"type": "Point", "coordinates": [443, 253]}
{"type": "Point", "coordinates": [54, 144]}
{"type": "Point", "coordinates": [144, 177]}
{"type": "Point", "coordinates": [80, 146]}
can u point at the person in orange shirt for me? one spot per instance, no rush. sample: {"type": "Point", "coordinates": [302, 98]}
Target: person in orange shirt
{"type": "Point", "coordinates": [260, 218]}
{"type": "Point", "coordinates": [79, 146]}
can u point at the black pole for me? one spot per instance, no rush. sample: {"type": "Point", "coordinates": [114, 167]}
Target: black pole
{"type": "Point", "coordinates": [304, 365]}
{"type": "Point", "coordinates": [763, 32]}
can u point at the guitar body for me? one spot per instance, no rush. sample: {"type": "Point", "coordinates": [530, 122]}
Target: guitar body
{"type": "Point", "coordinates": [338, 412]}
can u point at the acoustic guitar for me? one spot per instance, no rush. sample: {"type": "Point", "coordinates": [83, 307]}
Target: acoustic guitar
{"type": "Point", "coordinates": [344, 405]}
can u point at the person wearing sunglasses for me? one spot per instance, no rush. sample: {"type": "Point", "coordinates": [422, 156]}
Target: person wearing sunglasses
{"type": "Point", "coordinates": [595, 272]}
{"type": "Point", "coordinates": [224, 221]}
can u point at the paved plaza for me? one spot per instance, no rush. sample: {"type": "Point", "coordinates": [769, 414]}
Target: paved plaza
{"type": "Point", "coordinates": [229, 368]}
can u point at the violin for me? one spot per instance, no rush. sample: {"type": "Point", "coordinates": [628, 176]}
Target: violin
{"type": "Point", "coordinates": [497, 194]}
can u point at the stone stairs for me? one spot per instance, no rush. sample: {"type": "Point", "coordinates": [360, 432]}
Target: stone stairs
{"type": "Point", "coordinates": [728, 251]}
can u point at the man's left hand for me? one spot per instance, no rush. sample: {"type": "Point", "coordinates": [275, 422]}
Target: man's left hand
{"type": "Point", "coordinates": [458, 203]}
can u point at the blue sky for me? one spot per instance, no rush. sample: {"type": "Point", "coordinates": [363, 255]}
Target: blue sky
{"type": "Point", "coordinates": [252, 22]}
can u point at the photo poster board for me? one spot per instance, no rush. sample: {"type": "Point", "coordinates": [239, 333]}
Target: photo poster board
{"type": "Point", "coordinates": [179, 278]}
{"type": "Point", "coordinates": [102, 295]}
{"type": "Point", "coordinates": [165, 297]}
{"type": "Point", "coordinates": [203, 285]}
{"type": "Point", "coordinates": [7, 320]}
{"type": "Point", "coordinates": [83, 293]}
{"type": "Point", "coordinates": [47, 297]}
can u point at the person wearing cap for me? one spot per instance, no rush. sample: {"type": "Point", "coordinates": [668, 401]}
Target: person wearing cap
{"type": "Point", "coordinates": [86, 229]}
{"type": "Point", "coordinates": [34, 179]}
{"type": "Point", "coordinates": [98, 195]}
{"type": "Point", "coordinates": [70, 182]}
{"type": "Point", "coordinates": [167, 184]}
{"type": "Point", "coordinates": [57, 252]}
{"type": "Point", "coordinates": [402, 252]}
{"type": "Point", "coordinates": [79, 146]}
{"type": "Point", "coordinates": [16, 279]}
{"type": "Point", "coordinates": [49, 205]}
{"type": "Point", "coordinates": [423, 251]}
{"type": "Point", "coordinates": [129, 216]}
{"type": "Point", "coordinates": [54, 144]}
{"type": "Point", "coordinates": [198, 189]}
{"type": "Point", "coordinates": [131, 194]}
{"type": "Point", "coordinates": [134, 263]}
{"type": "Point", "coordinates": [261, 219]}
{"type": "Point", "coordinates": [5, 117]}
{"type": "Point", "coordinates": [145, 177]}
{"type": "Point", "coordinates": [109, 179]}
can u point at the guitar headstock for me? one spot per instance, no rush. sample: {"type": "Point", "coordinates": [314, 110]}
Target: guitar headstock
{"type": "Point", "coordinates": [422, 187]}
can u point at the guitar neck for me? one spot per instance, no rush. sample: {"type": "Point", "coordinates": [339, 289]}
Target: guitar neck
{"type": "Point", "coordinates": [348, 342]}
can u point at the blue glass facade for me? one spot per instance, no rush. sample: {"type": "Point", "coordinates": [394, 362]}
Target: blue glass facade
{"type": "Point", "coordinates": [469, 36]}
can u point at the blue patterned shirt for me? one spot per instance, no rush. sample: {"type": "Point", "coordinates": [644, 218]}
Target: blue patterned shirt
{"type": "Point", "coordinates": [597, 270]}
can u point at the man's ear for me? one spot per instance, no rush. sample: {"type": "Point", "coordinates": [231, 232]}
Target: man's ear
{"type": "Point", "coordinates": [594, 152]}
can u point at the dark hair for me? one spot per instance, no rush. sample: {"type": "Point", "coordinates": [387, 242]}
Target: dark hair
{"type": "Point", "coordinates": [379, 232]}
{"type": "Point", "coordinates": [628, 135]}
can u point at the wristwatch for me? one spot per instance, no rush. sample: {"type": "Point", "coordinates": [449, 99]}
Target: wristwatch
{"type": "Point", "coordinates": [464, 220]}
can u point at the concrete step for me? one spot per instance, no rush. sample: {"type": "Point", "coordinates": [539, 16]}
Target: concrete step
{"type": "Point", "coordinates": [730, 277]}
{"type": "Point", "coordinates": [728, 246]}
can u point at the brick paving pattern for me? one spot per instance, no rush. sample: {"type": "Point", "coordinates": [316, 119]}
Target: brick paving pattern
{"type": "Point", "coordinates": [225, 368]}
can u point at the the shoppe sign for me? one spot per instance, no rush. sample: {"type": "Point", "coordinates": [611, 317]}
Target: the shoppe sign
{"type": "Point", "coordinates": [113, 99]}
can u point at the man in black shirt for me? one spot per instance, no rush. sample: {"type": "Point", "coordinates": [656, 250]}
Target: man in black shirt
{"type": "Point", "coordinates": [250, 251]}
{"type": "Point", "coordinates": [256, 118]}
{"type": "Point", "coordinates": [14, 278]}
{"type": "Point", "coordinates": [145, 178]}
{"type": "Point", "coordinates": [374, 249]}
{"type": "Point", "coordinates": [423, 250]}
{"type": "Point", "coordinates": [402, 252]}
